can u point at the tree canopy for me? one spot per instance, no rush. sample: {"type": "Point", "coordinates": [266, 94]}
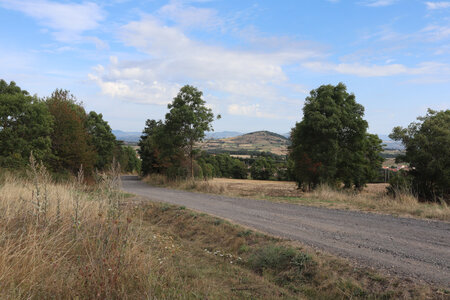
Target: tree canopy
{"type": "Point", "coordinates": [71, 142]}
{"type": "Point", "coordinates": [427, 144]}
{"type": "Point", "coordinates": [188, 119]}
{"type": "Point", "coordinates": [25, 126]}
{"type": "Point", "coordinates": [168, 147]}
{"type": "Point", "coordinates": [331, 144]}
{"type": "Point", "coordinates": [102, 139]}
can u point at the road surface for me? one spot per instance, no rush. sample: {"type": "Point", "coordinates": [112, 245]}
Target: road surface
{"type": "Point", "coordinates": [417, 249]}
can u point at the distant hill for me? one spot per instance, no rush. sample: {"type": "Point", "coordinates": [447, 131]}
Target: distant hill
{"type": "Point", "coordinates": [255, 141]}
{"type": "Point", "coordinates": [222, 134]}
{"type": "Point", "coordinates": [390, 144]}
{"type": "Point", "coordinates": [131, 137]}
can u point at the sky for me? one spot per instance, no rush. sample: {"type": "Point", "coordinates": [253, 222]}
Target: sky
{"type": "Point", "coordinates": [255, 61]}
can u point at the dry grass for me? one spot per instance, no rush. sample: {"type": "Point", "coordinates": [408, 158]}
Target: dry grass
{"type": "Point", "coordinates": [68, 241]}
{"type": "Point", "coordinates": [373, 198]}
{"type": "Point", "coordinates": [322, 277]}
{"type": "Point", "coordinates": [60, 240]}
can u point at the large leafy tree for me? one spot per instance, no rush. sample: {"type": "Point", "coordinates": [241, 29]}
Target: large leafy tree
{"type": "Point", "coordinates": [331, 144]}
{"type": "Point", "coordinates": [25, 126]}
{"type": "Point", "coordinates": [188, 119]}
{"type": "Point", "coordinates": [71, 142]}
{"type": "Point", "coordinates": [102, 139]}
{"type": "Point", "coordinates": [427, 145]}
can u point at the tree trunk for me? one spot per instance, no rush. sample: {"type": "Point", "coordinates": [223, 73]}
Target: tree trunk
{"type": "Point", "coordinates": [192, 160]}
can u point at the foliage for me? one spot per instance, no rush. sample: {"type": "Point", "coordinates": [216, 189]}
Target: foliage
{"type": "Point", "coordinates": [331, 144]}
{"type": "Point", "coordinates": [25, 126]}
{"type": "Point", "coordinates": [188, 119]}
{"type": "Point", "coordinates": [160, 151]}
{"type": "Point", "coordinates": [127, 158]}
{"type": "Point", "coordinates": [71, 142]}
{"type": "Point", "coordinates": [102, 139]}
{"type": "Point", "coordinates": [427, 145]}
{"type": "Point", "coordinates": [168, 147]}
{"type": "Point", "coordinates": [239, 169]}
{"type": "Point", "coordinates": [262, 168]}
{"type": "Point", "coordinates": [399, 183]}
{"type": "Point", "coordinates": [223, 165]}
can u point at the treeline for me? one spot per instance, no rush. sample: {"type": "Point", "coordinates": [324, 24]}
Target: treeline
{"type": "Point", "coordinates": [57, 131]}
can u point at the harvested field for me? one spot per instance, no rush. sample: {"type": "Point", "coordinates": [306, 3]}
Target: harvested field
{"type": "Point", "coordinates": [245, 187]}
{"type": "Point", "coordinates": [372, 199]}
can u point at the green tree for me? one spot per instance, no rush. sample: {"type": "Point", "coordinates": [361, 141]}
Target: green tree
{"type": "Point", "coordinates": [239, 169]}
{"type": "Point", "coordinates": [126, 156]}
{"type": "Point", "coordinates": [188, 119]}
{"type": "Point", "coordinates": [71, 144]}
{"type": "Point", "coordinates": [25, 126]}
{"type": "Point", "coordinates": [102, 139]}
{"type": "Point", "coordinates": [262, 169]}
{"type": "Point", "coordinates": [331, 144]}
{"type": "Point", "coordinates": [427, 145]}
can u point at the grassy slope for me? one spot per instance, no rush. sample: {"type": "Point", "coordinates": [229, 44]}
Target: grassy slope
{"type": "Point", "coordinates": [70, 241]}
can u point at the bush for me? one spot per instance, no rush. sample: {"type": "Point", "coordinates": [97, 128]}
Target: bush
{"type": "Point", "coordinates": [399, 183]}
{"type": "Point", "coordinates": [285, 263]}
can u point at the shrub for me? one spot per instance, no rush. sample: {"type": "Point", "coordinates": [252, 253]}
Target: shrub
{"type": "Point", "coordinates": [400, 183]}
{"type": "Point", "coordinates": [285, 263]}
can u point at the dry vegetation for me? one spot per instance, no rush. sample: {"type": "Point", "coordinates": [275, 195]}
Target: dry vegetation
{"type": "Point", "coordinates": [69, 241]}
{"type": "Point", "coordinates": [373, 198]}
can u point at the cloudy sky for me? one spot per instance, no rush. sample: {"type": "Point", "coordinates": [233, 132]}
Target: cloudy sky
{"type": "Point", "coordinates": [255, 61]}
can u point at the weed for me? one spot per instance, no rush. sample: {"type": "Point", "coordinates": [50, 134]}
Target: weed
{"type": "Point", "coordinates": [244, 249]}
{"type": "Point", "coordinates": [165, 208]}
{"type": "Point", "coordinates": [244, 233]}
{"type": "Point", "coordinates": [218, 222]}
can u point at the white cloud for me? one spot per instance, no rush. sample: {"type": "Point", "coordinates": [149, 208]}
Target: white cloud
{"type": "Point", "coordinates": [174, 58]}
{"type": "Point", "coordinates": [357, 69]}
{"type": "Point", "coordinates": [426, 68]}
{"type": "Point", "coordinates": [252, 110]}
{"type": "Point", "coordinates": [379, 3]}
{"type": "Point", "coordinates": [436, 32]}
{"type": "Point", "coordinates": [133, 84]}
{"type": "Point", "coordinates": [437, 5]}
{"type": "Point", "coordinates": [189, 16]}
{"type": "Point", "coordinates": [66, 20]}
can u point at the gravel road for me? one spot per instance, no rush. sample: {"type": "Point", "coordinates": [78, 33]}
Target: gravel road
{"type": "Point", "coordinates": [417, 249]}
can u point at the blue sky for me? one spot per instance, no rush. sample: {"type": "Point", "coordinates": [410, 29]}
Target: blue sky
{"type": "Point", "coordinates": [255, 61]}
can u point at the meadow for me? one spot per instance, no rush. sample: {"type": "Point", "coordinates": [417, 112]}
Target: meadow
{"type": "Point", "coordinates": [373, 198]}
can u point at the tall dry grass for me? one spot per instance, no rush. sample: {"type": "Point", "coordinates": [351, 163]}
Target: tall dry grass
{"type": "Point", "coordinates": [404, 203]}
{"type": "Point", "coordinates": [59, 240]}
{"type": "Point", "coordinates": [373, 198]}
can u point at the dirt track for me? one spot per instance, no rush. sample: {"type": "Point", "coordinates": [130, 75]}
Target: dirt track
{"type": "Point", "coordinates": [410, 248]}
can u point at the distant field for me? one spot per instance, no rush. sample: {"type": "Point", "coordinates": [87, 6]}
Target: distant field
{"type": "Point", "coordinates": [261, 141]}
{"type": "Point", "coordinates": [372, 199]}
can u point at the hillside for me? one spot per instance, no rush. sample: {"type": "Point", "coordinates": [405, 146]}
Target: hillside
{"type": "Point", "coordinates": [255, 141]}
{"type": "Point", "coordinates": [130, 137]}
